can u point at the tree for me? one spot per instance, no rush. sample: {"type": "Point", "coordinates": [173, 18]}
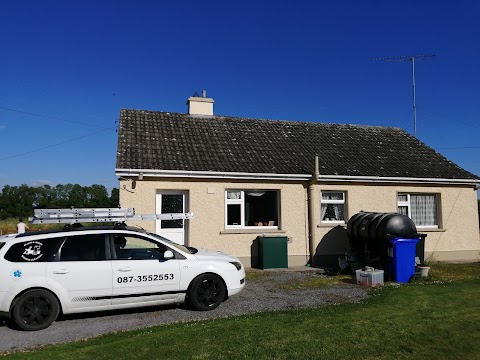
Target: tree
{"type": "Point", "coordinates": [61, 194]}
{"type": "Point", "coordinates": [114, 198]}
{"type": "Point", "coordinates": [44, 197]}
{"type": "Point", "coordinates": [77, 197]}
{"type": "Point", "coordinates": [96, 196]}
{"type": "Point", "coordinates": [19, 201]}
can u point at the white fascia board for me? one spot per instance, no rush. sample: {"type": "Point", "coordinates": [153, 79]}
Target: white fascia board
{"type": "Point", "coordinates": [210, 175]}
{"type": "Point", "coordinates": [291, 177]}
{"type": "Point", "coordinates": [403, 180]}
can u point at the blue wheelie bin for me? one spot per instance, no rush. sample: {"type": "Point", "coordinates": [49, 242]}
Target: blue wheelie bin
{"type": "Point", "coordinates": [401, 259]}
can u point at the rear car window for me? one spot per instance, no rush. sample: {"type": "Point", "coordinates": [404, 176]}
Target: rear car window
{"type": "Point", "coordinates": [83, 248]}
{"type": "Point", "coordinates": [33, 250]}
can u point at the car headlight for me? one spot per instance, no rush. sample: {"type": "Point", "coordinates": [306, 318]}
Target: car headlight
{"type": "Point", "coordinates": [236, 264]}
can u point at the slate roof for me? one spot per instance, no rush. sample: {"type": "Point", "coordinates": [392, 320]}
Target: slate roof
{"type": "Point", "coordinates": [174, 141]}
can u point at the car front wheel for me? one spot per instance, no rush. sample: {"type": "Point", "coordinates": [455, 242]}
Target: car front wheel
{"type": "Point", "coordinates": [35, 310]}
{"type": "Point", "coordinates": [206, 292]}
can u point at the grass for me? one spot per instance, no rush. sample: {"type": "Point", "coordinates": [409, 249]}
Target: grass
{"type": "Point", "coordinates": [9, 226]}
{"type": "Point", "coordinates": [438, 318]}
{"type": "Point", "coordinates": [320, 281]}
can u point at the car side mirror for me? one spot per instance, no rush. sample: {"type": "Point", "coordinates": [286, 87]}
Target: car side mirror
{"type": "Point", "coordinates": [167, 255]}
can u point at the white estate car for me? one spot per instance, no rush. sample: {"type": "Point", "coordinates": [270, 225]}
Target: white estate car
{"type": "Point", "coordinates": [83, 269]}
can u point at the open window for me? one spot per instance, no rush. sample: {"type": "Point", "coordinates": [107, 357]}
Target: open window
{"type": "Point", "coordinates": [251, 208]}
{"type": "Point", "coordinates": [130, 247]}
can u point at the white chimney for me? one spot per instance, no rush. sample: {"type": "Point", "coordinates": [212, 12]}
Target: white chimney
{"type": "Point", "coordinates": [200, 105]}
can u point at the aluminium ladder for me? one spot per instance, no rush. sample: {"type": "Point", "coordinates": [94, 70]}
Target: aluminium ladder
{"type": "Point", "coordinates": [82, 215]}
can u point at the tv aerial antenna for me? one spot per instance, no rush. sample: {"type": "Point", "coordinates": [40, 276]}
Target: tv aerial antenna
{"type": "Point", "coordinates": [412, 59]}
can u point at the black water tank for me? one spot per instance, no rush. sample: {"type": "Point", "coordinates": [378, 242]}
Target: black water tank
{"type": "Point", "coordinates": [377, 228]}
{"type": "Point", "coordinates": [372, 225]}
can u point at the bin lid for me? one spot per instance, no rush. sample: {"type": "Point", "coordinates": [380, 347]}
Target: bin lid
{"type": "Point", "coordinates": [402, 240]}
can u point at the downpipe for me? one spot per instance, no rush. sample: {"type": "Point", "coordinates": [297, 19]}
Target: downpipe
{"type": "Point", "coordinates": [311, 211]}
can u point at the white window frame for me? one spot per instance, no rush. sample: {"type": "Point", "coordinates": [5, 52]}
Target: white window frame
{"type": "Point", "coordinates": [407, 204]}
{"type": "Point", "coordinates": [241, 202]}
{"type": "Point", "coordinates": [335, 202]}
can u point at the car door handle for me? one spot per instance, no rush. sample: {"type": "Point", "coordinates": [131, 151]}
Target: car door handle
{"type": "Point", "coordinates": [125, 269]}
{"type": "Point", "coordinates": [61, 271]}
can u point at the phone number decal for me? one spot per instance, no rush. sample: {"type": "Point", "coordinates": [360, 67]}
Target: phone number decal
{"type": "Point", "coordinates": [144, 278]}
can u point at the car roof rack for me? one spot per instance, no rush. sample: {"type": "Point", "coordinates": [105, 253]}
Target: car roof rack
{"type": "Point", "coordinates": [89, 215]}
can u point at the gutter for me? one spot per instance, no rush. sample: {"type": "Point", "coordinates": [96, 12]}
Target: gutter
{"type": "Point", "coordinates": [335, 178]}
{"type": "Point", "coordinates": [210, 175]}
{"type": "Point", "coordinates": [291, 177]}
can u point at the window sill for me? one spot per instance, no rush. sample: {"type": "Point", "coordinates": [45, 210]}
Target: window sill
{"type": "Point", "coordinates": [422, 230]}
{"type": "Point", "coordinates": [332, 224]}
{"type": "Point", "coordinates": [256, 230]}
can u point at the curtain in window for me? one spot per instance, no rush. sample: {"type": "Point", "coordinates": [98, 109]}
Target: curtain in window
{"type": "Point", "coordinates": [333, 212]}
{"type": "Point", "coordinates": [324, 211]}
{"type": "Point", "coordinates": [256, 193]}
{"type": "Point", "coordinates": [332, 196]}
{"type": "Point", "coordinates": [234, 195]}
{"type": "Point", "coordinates": [424, 209]}
{"type": "Point", "coordinates": [337, 212]}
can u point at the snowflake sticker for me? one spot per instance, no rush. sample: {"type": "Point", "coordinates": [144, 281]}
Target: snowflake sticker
{"type": "Point", "coordinates": [17, 274]}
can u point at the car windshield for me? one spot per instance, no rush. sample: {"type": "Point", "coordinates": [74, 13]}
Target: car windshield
{"type": "Point", "coordinates": [187, 249]}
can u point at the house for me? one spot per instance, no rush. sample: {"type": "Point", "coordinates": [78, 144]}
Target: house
{"type": "Point", "coordinates": [246, 177]}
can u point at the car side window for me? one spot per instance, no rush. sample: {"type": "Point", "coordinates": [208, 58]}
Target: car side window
{"type": "Point", "coordinates": [128, 247]}
{"type": "Point", "coordinates": [83, 248]}
{"type": "Point", "coordinates": [33, 250]}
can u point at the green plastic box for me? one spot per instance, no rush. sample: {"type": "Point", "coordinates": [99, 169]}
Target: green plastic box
{"type": "Point", "coordinates": [272, 252]}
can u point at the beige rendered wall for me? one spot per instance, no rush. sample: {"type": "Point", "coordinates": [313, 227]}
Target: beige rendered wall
{"type": "Point", "coordinates": [456, 239]}
{"type": "Point", "coordinates": [207, 202]}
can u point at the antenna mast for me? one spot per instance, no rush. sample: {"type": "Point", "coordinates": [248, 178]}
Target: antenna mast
{"type": "Point", "coordinates": [411, 58]}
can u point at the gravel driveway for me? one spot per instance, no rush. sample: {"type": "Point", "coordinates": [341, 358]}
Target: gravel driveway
{"type": "Point", "coordinates": [264, 293]}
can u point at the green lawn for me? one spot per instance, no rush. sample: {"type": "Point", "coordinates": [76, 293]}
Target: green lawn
{"type": "Point", "coordinates": [434, 319]}
{"type": "Point", "coordinates": [9, 226]}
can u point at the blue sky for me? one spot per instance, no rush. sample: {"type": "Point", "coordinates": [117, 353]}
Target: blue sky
{"type": "Point", "coordinates": [68, 67]}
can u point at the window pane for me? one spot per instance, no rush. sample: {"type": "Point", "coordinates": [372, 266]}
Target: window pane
{"type": "Point", "coordinates": [261, 208]}
{"type": "Point", "coordinates": [172, 224]}
{"type": "Point", "coordinates": [234, 195]}
{"type": "Point", "coordinates": [403, 210]}
{"type": "Point", "coordinates": [424, 209]}
{"type": "Point", "coordinates": [332, 195]}
{"type": "Point", "coordinates": [83, 248]}
{"type": "Point", "coordinates": [234, 214]}
{"type": "Point", "coordinates": [333, 212]}
{"type": "Point", "coordinates": [172, 203]}
{"type": "Point", "coordinates": [402, 197]}
{"type": "Point", "coordinates": [38, 251]}
{"type": "Point", "coordinates": [134, 248]}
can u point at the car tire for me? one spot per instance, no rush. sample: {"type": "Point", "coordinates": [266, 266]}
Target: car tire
{"type": "Point", "coordinates": [35, 310]}
{"type": "Point", "coordinates": [206, 292]}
